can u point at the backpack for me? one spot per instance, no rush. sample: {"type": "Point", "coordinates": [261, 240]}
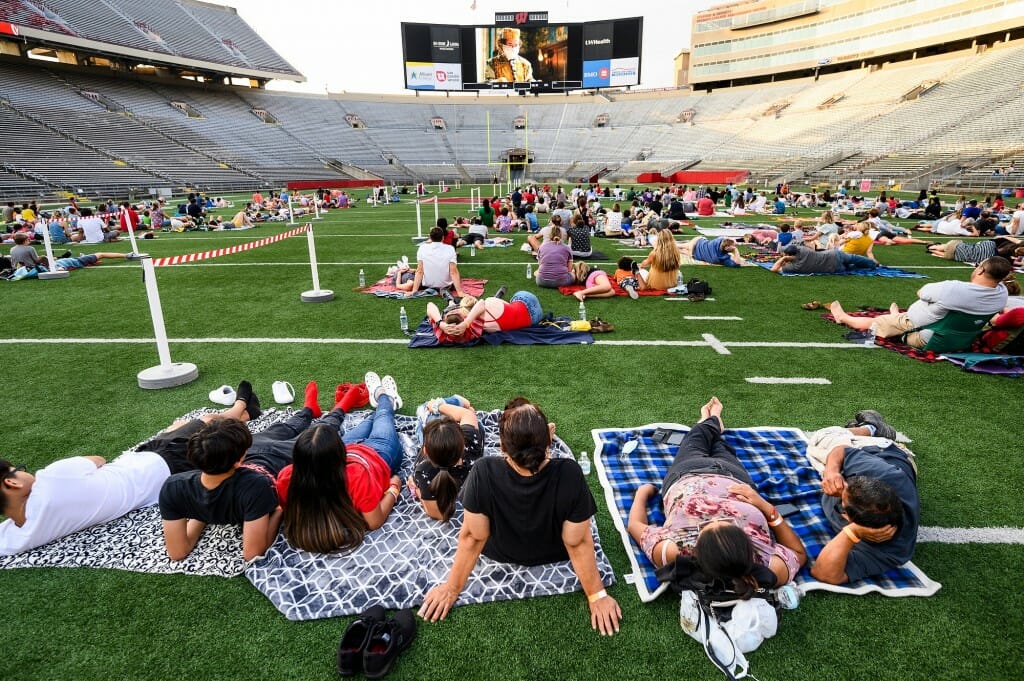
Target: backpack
{"type": "Point", "coordinates": [696, 289]}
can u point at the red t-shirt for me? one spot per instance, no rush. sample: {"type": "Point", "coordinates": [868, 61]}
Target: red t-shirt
{"type": "Point", "coordinates": [705, 206]}
{"type": "Point", "coordinates": [367, 476]}
{"type": "Point", "coordinates": [135, 220]}
{"type": "Point", "coordinates": [515, 316]}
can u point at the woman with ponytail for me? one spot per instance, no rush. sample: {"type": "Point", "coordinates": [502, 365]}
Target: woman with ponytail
{"type": "Point", "coordinates": [713, 514]}
{"type": "Point", "coordinates": [527, 508]}
{"type": "Point", "coordinates": [452, 442]}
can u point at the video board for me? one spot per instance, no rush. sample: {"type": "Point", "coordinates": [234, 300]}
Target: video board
{"type": "Point", "coordinates": [523, 53]}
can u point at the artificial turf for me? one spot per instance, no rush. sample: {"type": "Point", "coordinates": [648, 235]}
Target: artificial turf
{"type": "Point", "coordinates": [69, 399]}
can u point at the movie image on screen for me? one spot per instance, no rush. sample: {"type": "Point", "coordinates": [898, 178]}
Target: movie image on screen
{"type": "Point", "coordinates": [522, 55]}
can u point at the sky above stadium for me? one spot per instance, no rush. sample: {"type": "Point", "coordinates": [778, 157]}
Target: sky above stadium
{"type": "Point", "coordinates": [355, 46]}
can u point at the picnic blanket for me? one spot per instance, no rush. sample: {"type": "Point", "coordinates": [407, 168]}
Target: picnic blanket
{"type": "Point", "coordinates": [777, 461]}
{"type": "Point", "coordinates": [686, 260]}
{"type": "Point", "coordinates": [501, 242]}
{"type": "Point", "coordinates": [714, 232]}
{"type": "Point", "coordinates": [532, 335]}
{"type": "Point", "coordinates": [397, 564]}
{"type": "Point", "coordinates": [766, 260]}
{"type": "Point", "coordinates": [1011, 366]}
{"type": "Point", "coordinates": [135, 542]}
{"type": "Point", "coordinates": [385, 288]}
{"type": "Point", "coordinates": [619, 291]}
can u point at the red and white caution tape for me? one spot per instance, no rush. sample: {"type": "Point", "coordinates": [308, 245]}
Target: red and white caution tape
{"type": "Point", "coordinates": [206, 255]}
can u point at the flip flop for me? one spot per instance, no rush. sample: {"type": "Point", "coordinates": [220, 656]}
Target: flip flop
{"type": "Point", "coordinates": [813, 305]}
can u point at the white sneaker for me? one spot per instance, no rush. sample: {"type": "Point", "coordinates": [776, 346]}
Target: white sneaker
{"type": "Point", "coordinates": [525, 248]}
{"type": "Point", "coordinates": [391, 389]}
{"type": "Point", "coordinates": [284, 393]}
{"type": "Point", "coordinates": [223, 395]}
{"type": "Point", "coordinates": [373, 385]}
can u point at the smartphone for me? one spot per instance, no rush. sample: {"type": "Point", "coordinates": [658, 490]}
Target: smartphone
{"type": "Point", "coordinates": [786, 509]}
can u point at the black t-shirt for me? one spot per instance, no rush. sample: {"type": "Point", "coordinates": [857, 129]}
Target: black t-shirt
{"type": "Point", "coordinates": [249, 494]}
{"type": "Point", "coordinates": [426, 471]}
{"type": "Point", "coordinates": [526, 513]}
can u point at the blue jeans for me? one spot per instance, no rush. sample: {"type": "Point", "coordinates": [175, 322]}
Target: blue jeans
{"type": "Point", "coordinates": [454, 401]}
{"type": "Point", "coordinates": [377, 432]}
{"type": "Point", "coordinates": [848, 261]}
{"type": "Point", "coordinates": [532, 304]}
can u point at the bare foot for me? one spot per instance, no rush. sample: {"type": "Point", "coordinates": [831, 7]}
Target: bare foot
{"type": "Point", "coordinates": [579, 296]}
{"type": "Point", "coordinates": [714, 407]}
{"type": "Point", "coordinates": [705, 411]}
{"type": "Point", "coordinates": [837, 311]}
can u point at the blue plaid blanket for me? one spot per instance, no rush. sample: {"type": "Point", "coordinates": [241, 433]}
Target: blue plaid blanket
{"type": "Point", "coordinates": [777, 461]}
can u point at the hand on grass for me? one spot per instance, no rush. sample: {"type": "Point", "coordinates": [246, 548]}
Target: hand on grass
{"type": "Point", "coordinates": [605, 615]}
{"type": "Point", "coordinates": [437, 603]}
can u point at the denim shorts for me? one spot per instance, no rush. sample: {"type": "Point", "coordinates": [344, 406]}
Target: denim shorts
{"type": "Point", "coordinates": [532, 304]}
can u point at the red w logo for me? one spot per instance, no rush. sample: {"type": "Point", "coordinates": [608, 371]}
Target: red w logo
{"type": "Point", "coordinates": [522, 17]}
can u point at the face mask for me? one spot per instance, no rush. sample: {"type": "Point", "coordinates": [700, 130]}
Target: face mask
{"type": "Point", "coordinates": [510, 52]}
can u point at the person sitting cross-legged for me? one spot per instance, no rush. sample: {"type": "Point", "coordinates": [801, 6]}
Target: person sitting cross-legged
{"type": "Point", "coordinates": [436, 264]}
{"type": "Point", "coordinates": [984, 294]}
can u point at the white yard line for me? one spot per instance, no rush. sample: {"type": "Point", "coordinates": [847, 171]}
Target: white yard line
{"type": "Point", "coordinates": [772, 380]}
{"type": "Point", "coordinates": [722, 319]}
{"type": "Point", "coordinates": [971, 535]}
{"type": "Point", "coordinates": [715, 344]}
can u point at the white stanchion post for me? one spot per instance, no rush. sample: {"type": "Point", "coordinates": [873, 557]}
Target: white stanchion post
{"type": "Point", "coordinates": [167, 374]}
{"type": "Point", "coordinates": [53, 273]}
{"type": "Point", "coordinates": [291, 213]}
{"type": "Point", "coordinates": [419, 222]}
{"type": "Point", "coordinates": [131, 230]}
{"type": "Point", "coordinates": [316, 207]}
{"type": "Point", "coordinates": [373, 195]}
{"type": "Point", "coordinates": [316, 294]}
{"type": "Point", "coordinates": [437, 211]}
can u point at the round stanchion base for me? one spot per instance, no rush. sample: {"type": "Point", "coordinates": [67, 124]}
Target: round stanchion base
{"type": "Point", "coordinates": [59, 274]}
{"type": "Point", "coordinates": [178, 373]}
{"type": "Point", "coordinates": [317, 296]}
{"type": "Point", "coordinates": [418, 239]}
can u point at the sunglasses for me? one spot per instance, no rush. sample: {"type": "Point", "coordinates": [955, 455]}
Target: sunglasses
{"type": "Point", "coordinates": [12, 471]}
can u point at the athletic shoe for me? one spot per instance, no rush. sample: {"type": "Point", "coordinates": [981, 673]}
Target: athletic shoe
{"type": "Point", "coordinates": [391, 388]}
{"type": "Point", "coordinates": [373, 386]}
{"type": "Point", "coordinates": [387, 641]}
{"type": "Point", "coordinates": [631, 290]}
{"type": "Point", "coordinates": [65, 254]}
{"type": "Point", "coordinates": [223, 395]}
{"type": "Point", "coordinates": [525, 248]}
{"type": "Point", "coordinates": [873, 418]}
{"type": "Point", "coordinates": [355, 639]}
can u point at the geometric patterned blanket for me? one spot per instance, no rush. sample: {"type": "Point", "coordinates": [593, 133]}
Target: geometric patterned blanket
{"type": "Point", "coordinates": [396, 564]}
{"type": "Point", "coordinates": [776, 459]}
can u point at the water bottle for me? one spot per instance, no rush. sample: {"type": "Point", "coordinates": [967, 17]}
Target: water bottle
{"type": "Point", "coordinates": [362, 278]}
{"type": "Point", "coordinates": [789, 596]}
{"type": "Point", "coordinates": [403, 319]}
{"type": "Point", "coordinates": [472, 250]}
{"type": "Point", "coordinates": [583, 310]}
{"type": "Point", "coordinates": [529, 270]}
{"type": "Point", "coordinates": [679, 280]}
{"type": "Point", "coordinates": [584, 463]}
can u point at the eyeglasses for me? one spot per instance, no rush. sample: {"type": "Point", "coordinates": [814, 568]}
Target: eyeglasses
{"type": "Point", "coordinates": [12, 471]}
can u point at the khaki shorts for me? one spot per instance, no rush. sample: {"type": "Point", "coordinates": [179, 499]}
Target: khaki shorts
{"type": "Point", "coordinates": [894, 326]}
{"type": "Point", "coordinates": [949, 249]}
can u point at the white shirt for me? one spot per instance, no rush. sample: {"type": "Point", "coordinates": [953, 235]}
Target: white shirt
{"type": "Point", "coordinates": [435, 258]}
{"type": "Point", "coordinates": [937, 299]}
{"type": "Point", "coordinates": [950, 227]}
{"type": "Point", "coordinates": [93, 228]}
{"type": "Point", "coordinates": [72, 494]}
{"type": "Point", "coordinates": [1017, 228]}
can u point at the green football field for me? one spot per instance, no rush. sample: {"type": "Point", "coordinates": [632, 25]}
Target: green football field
{"type": "Point", "coordinates": [72, 349]}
